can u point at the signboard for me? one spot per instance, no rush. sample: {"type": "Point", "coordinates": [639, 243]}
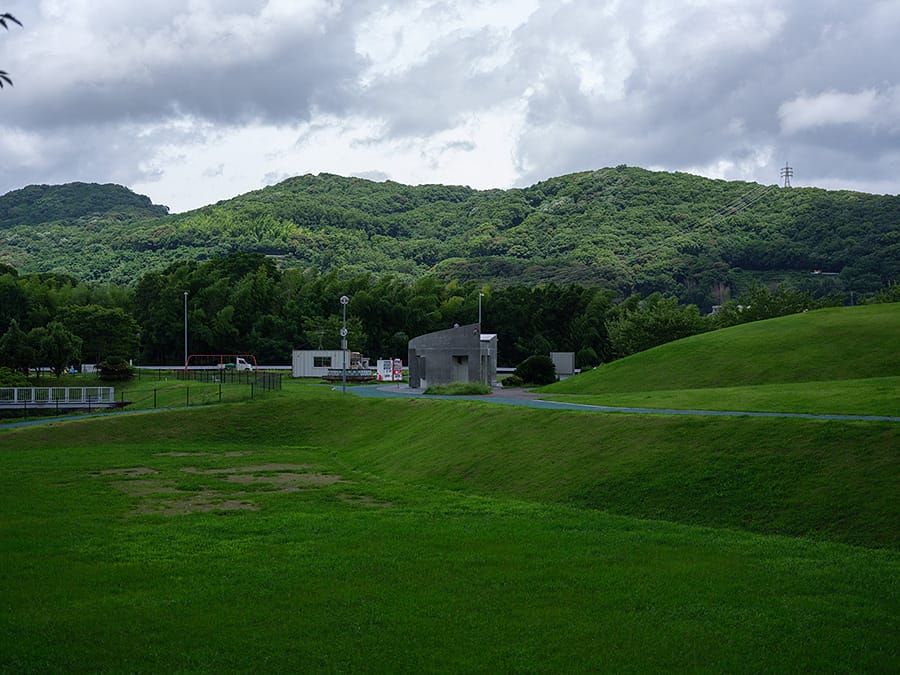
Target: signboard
{"type": "Point", "coordinates": [398, 370]}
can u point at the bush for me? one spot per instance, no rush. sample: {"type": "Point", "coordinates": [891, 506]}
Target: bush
{"type": "Point", "coordinates": [586, 358]}
{"type": "Point", "coordinates": [459, 389]}
{"type": "Point", "coordinates": [512, 381]}
{"type": "Point", "coordinates": [536, 369]}
{"type": "Point", "coordinates": [114, 369]}
{"type": "Point", "coordinates": [10, 378]}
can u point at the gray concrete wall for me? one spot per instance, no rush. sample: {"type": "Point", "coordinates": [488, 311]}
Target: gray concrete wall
{"type": "Point", "coordinates": [456, 354]}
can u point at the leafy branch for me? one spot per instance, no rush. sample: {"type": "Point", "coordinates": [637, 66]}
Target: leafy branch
{"type": "Point", "coordinates": [5, 19]}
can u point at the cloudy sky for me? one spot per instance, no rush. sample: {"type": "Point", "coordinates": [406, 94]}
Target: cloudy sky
{"type": "Point", "coordinates": [194, 101]}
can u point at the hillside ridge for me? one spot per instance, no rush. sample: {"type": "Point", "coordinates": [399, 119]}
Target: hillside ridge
{"type": "Point", "coordinates": [625, 228]}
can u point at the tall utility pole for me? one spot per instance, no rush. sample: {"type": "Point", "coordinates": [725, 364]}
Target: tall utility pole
{"type": "Point", "coordinates": [786, 174]}
{"type": "Point", "coordinates": [185, 330]}
{"type": "Point", "coordinates": [344, 301]}
{"type": "Point", "coordinates": [480, 296]}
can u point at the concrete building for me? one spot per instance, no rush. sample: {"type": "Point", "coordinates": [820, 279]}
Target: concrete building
{"type": "Point", "coordinates": [458, 354]}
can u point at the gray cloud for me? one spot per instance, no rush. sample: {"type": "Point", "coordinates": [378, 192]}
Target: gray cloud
{"type": "Point", "coordinates": [728, 88]}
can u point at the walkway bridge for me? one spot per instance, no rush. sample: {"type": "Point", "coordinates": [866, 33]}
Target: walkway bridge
{"type": "Point", "coordinates": [57, 398]}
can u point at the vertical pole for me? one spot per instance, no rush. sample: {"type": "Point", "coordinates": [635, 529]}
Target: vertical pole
{"type": "Point", "coordinates": [185, 331]}
{"type": "Point", "coordinates": [480, 296]}
{"type": "Point", "coordinates": [344, 301]}
{"type": "Point", "coordinates": [480, 355]}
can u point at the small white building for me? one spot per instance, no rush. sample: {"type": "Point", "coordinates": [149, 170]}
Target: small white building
{"type": "Point", "coordinates": [317, 362]}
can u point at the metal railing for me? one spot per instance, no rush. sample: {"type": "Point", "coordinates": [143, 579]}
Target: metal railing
{"type": "Point", "coordinates": [52, 396]}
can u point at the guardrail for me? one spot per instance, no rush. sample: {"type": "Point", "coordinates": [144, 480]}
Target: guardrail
{"type": "Point", "coordinates": [68, 397]}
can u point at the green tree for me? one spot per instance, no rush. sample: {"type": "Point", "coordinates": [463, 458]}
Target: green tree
{"type": "Point", "coordinates": [57, 347]}
{"type": "Point", "coordinates": [760, 303]}
{"type": "Point", "coordinates": [537, 369]}
{"type": "Point", "coordinates": [15, 348]}
{"type": "Point", "coordinates": [655, 320]}
{"type": "Point", "coordinates": [104, 331]}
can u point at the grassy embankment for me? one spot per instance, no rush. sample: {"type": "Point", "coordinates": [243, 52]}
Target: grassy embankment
{"type": "Point", "coordinates": [324, 532]}
{"type": "Point", "coordinates": [837, 360]}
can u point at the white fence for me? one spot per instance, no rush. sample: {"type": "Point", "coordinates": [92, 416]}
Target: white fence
{"type": "Point", "coordinates": [15, 397]}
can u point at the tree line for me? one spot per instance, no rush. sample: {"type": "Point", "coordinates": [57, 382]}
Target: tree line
{"type": "Point", "coordinates": [243, 303]}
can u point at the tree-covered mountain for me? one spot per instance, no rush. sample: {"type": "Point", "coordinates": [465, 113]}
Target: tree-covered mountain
{"type": "Point", "coordinates": [38, 204]}
{"type": "Point", "coordinates": [623, 228]}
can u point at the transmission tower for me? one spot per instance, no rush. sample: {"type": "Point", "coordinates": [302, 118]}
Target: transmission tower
{"type": "Point", "coordinates": [786, 174]}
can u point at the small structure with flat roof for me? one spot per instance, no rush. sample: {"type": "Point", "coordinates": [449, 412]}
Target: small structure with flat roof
{"type": "Point", "coordinates": [458, 354]}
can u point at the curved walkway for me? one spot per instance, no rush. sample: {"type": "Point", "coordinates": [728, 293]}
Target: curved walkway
{"type": "Point", "coordinates": [511, 397]}
{"type": "Point", "coordinates": [520, 397]}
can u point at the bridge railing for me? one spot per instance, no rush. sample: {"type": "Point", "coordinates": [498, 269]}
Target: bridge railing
{"type": "Point", "coordinates": [54, 395]}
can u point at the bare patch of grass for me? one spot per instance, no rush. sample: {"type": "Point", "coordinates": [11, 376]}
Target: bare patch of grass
{"type": "Point", "coordinates": [365, 500]}
{"type": "Point", "coordinates": [202, 502]}
{"type": "Point", "coordinates": [236, 453]}
{"type": "Point", "coordinates": [134, 471]}
{"type": "Point", "coordinates": [143, 488]}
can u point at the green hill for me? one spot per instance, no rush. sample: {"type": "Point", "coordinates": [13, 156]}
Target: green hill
{"type": "Point", "coordinates": [37, 204]}
{"type": "Point", "coordinates": [841, 343]}
{"type": "Point", "coordinates": [624, 228]}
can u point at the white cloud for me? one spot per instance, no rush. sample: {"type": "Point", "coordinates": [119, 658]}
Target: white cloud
{"type": "Point", "coordinates": [829, 108]}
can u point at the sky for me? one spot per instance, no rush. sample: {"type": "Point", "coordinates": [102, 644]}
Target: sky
{"type": "Point", "coordinates": [195, 101]}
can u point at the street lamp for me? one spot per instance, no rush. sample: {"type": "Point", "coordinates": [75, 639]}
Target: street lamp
{"type": "Point", "coordinates": [185, 331]}
{"type": "Point", "coordinates": [344, 301]}
{"type": "Point", "coordinates": [480, 355]}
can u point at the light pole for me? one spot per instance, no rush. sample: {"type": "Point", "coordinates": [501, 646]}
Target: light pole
{"type": "Point", "coordinates": [344, 301]}
{"type": "Point", "coordinates": [480, 296]}
{"type": "Point", "coordinates": [185, 330]}
{"type": "Point", "coordinates": [480, 355]}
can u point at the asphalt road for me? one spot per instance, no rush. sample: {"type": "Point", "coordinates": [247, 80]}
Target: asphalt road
{"type": "Point", "coordinates": [520, 397]}
{"type": "Point", "coordinates": [511, 397]}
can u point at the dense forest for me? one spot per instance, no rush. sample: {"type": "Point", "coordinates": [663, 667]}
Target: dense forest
{"type": "Point", "coordinates": [625, 230]}
{"type": "Point", "coordinates": [243, 303]}
{"type": "Point", "coordinates": [601, 263]}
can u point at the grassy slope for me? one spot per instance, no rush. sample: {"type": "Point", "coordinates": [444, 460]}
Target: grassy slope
{"type": "Point", "coordinates": [828, 344]}
{"type": "Point", "coordinates": [788, 476]}
{"type": "Point", "coordinates": [489, 574]}
{"type": "Point", "coordinates": [878, 396]}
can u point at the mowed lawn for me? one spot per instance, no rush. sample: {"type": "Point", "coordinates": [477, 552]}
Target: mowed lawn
{"type": "Point", "coordinates": [875, 396]}
{"type": "Point", "coordinates": [309, 531]}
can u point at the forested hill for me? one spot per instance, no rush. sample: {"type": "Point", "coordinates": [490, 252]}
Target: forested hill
{"type": "Point", "coordinates": [626, 228]}
{"type": "Point", "coordinates": [38, 204]}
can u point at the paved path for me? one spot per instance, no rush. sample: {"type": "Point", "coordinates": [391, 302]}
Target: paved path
{"type": "Point", "coordinates": [511, 397]}
{"type": "Point", "coordinates": [520, 397]}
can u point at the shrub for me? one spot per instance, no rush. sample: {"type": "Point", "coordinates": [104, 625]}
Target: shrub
{"type": "Point", "coordinates": [586, 358]}
{"type": "Point", "coordinates": [512, 381]}
{"type": "Point", "coordinates": [114, 369]}
{"type": "Point", "coordinates": [459, 389]}
{"type": "Point", "coordinates": [10, 378]}
{"type": "Point", "coordinates": [536, 369]}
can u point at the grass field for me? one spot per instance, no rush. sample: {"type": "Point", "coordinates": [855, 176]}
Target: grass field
{"type": "Point", "coordinates": [306, 530]}
{"type": "Point", "coordinates": [313, 531]}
